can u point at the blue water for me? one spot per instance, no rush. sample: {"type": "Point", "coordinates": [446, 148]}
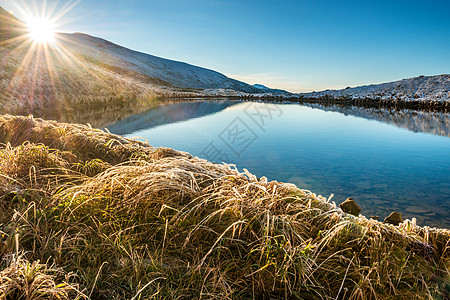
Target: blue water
{"type": "Point", "coordinates": [383, 167]}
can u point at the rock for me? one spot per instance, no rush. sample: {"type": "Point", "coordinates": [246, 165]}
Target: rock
{"type": "Point", "coordinates": [375, 217]}
{"type": "Point", "coordinates": [350, 206]}
{"type": "Point", "coordinates": [417, 209]}
{"type": "Point", "coordinates": [394, 218]}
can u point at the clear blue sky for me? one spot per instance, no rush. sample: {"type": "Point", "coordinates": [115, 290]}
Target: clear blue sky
{"type": "Point", "coordinates": [294, 45]}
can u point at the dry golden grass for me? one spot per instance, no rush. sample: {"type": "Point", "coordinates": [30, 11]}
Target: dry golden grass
{"type": "Point", "coordinates": [20, 279]}
{"type": "Point", "coordinates": [119, 219]}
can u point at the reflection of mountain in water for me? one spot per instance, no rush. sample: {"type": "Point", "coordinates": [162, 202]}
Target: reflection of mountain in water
{"type": "Point", "coordinates": [167, 114]}
{"type": "Point", "coordinates": [437, 123]}
{"type": "Point", "coordinates": [96, 115]}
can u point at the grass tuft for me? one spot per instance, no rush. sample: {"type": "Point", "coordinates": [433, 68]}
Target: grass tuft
{"type": "Point", "coordinates": [20, 279]}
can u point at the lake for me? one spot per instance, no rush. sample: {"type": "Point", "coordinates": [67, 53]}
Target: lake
{"type": "Point", "coordinates": [386, 160]}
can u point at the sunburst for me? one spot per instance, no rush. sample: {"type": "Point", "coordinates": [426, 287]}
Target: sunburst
{"type": "Point", "coordinates": [41, 47]}
{"type": "Point", "coordinates": [41, 30]}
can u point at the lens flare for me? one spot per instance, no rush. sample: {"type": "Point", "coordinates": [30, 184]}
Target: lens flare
{"type": "Point", "coordinates": [41, 30]}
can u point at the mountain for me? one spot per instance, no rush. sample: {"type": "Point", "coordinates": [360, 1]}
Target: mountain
{"type": "Point", "coordinates": [261, 87]}
{"type": "Point", "coordinates": [417, 89]}
{"type": "Point", "coordinates": [176, 74]}
{"type": "Point", "coordinates": [80, 70]}
{"type": "Point", "coordinates": [265, 89]}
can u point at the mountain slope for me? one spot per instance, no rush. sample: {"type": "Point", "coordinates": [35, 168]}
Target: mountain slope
{"type": "Point", "coordinates": [177, 74]}
{"type": "Point", "coordinates": [80, 69]}
{"type": "Point", "coordinates": [265, 89]}
{"type": "Point", "coordinates": [33, 79]}
{"type": "Point", "coordinates": [417, 89]}
{"type": "Point", "coordinates": [10, 26]}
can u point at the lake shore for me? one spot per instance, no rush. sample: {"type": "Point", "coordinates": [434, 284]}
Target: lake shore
{"type": "Point", "coordinates": [90, 214]}
{"type": "Point", "coordinates": [437, 106]}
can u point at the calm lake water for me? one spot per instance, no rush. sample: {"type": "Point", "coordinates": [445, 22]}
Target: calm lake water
{"type": "Point", "coordinates": [385, 160]}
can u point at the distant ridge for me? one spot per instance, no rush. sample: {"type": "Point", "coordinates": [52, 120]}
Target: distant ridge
{"type": "Point", "coordinates": [418, 89]}
{"type": "Point", "coordinates": [266, 89]}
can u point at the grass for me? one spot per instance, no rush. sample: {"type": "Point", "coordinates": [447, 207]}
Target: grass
{"type": "Point", "coordinates": [85, 214]}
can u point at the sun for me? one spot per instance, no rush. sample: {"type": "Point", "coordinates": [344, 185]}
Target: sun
{"type": "Point", "coordinates": [41, 30]}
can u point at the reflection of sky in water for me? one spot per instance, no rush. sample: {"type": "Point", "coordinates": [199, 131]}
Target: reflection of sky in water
{"type": "Point", "coordinates": [384, 167]}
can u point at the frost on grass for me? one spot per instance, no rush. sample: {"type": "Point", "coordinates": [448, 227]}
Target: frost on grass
{"type": "Point", "coordinates": [128, 220]}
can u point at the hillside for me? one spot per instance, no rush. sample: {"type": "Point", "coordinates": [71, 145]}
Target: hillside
{"type": "Point", "coordinates": [171, 73]}
{"type": "Point", "coordinates": [417, 89]}
{"type": "Point", "coordinates": [90, 215]}
{"type": "Point", "coordinates": [80, 70]}
{"type": "Point", "coordinates": [10, 26]}
{"type": "Point", "coordinates": [34, 78]}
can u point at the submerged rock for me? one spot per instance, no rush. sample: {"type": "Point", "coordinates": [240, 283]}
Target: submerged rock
{"type": "Point", "coordinates": [394, 218]}
{"type": "Point", "coordinates": [350, 206]}
{"type": "Point", "coordinates": [417, 209]}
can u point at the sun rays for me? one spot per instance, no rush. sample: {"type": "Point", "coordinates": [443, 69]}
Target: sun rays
{"type": "Point", "coordinates": [38, 53]}
{"type": "Point", "coordinates": [41, 30]}
{"type": "Point", "coordinates": [49, 71]}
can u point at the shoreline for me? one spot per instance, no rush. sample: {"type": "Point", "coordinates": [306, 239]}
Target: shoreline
{"type": "Point", "coordinates": [365, 103]}
{"type": "Point", "coordinates": [120, 214]}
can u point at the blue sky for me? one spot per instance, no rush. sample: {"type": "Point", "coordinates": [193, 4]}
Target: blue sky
{"type": "Point", "coordinates": [294, 45]}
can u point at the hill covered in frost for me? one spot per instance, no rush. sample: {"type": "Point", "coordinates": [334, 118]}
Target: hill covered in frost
{"type": "Point", "coordinates": [417, 89]}
{"type": "Point", "coordinates": [169, 72]}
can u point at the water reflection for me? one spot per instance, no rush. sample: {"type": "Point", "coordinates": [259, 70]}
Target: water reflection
{"type": "Point", "coordinates": [97, 114]}
{"type": "Point", "coordinates": [433, 122]}
{"type": "Point", "coordinates": [337, 150]}
{"type": "Point", "coordinates": [168, 114]}
{"type": "Point", "coordinates": [126, 117]}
